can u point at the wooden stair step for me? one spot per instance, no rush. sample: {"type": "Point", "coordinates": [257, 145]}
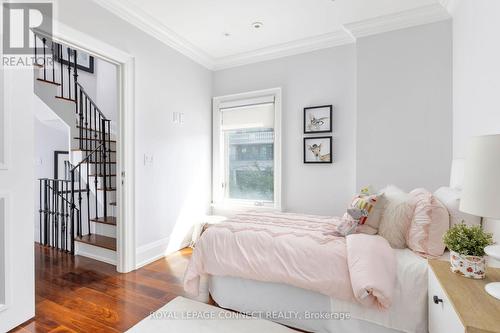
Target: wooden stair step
{"type": "Point", "coordinates": [99, 175]}
{"type": "Point", "coordinates": [99, 241]}
{"type": "Point", "coordinates": [66, 99]}
{"type": "Point", "coordinates": [111, 189]}
{"type": "Point", "coordinates": [90, 139]}
{"type": "Point", "coordinates": [99, 162]}
{"type": "Point", "coordinates": [47, 81]}
{"type": "Point", "coordinates": [90, 129]}
{"type": "Point", "coordinates": [78, 149]}
{"type": "Point", "coordinates": [76, 191]}
{"type": "Point", "coordinates": [110, 220]}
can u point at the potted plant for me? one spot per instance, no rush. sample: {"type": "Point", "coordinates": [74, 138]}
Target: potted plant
{"type": "Point", "coordinates": [466, 245]}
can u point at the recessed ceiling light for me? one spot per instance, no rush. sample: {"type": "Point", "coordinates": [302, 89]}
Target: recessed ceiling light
{"type": "Point", "coordinates": [226, 34]}
{"type": "Point", "coordinates": [257, 25]}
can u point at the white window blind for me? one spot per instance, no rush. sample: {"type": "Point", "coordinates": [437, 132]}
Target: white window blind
{"type": "Point", "coordinates": [249, 116]}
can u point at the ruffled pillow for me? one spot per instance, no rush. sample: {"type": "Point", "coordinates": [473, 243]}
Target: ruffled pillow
{"type": "Point", "coordinates": [428, 226]}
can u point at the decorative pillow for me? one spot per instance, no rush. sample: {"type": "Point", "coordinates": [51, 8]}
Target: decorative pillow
{"type": "Point", "coordinates": [429, 224]}
{"type": "Point", "coordinates": [450, 198]}
{"type": "Point", "coordinates": [396, 217]}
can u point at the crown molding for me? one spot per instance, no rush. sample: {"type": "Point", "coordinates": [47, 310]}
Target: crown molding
{"type": "Point", "coordinates": [405, 19]}
{"type": "Point", "coordinates": [150, 25]}
{"type": "Point", "coordinates": [305, 45]}
{"type": "Point", "coordinates": [346, 35]}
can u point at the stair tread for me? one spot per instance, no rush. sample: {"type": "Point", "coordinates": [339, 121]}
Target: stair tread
{"type": "Point", "coordinates": [66, 99]}
{"type": "Point", "coordinates": [90, 139]}
{"type": "Point", "coordinates": [111, 220]}
{"type": "Point", "coordinates": [99, 241]}
{"type": "Point", "coordinates": [99, 175]}
{"type": "Point", "coordinates": [90, 129]}
{"type": "Point", "coordinates": [78, 149]}
{"type": "Point", "coordinates": [90, 162]}
{"type": "Point", "coordinates": [47, 81]}
{"type": "Point", "coordinates": [109, 189]}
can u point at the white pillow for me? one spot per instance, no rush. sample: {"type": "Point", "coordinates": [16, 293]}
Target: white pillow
{"type": "Point", "coordinates": [450, 198]}
{"type": "Point", "coordinates": [396, 217]}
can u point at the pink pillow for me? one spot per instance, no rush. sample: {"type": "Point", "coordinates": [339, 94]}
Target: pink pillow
{"type": "Point", "coordinates": [429, 224]}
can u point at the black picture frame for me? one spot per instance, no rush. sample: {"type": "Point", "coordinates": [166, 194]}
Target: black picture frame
{"type": "Point", "coordinates": [305, 149]}
{"type": "Point", "coordinates": [60, 53]}
{"type": "Point", "coordinates": [56, 161]}
{"type": "Point", "coordinates": [306, 112]}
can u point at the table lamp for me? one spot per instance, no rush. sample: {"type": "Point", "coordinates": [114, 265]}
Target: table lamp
{"type": "Point", "coordinates": [481, 188]}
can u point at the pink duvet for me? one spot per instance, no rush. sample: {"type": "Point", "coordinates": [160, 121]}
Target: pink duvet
{"type": "Point", "coordinates": [299, 250]}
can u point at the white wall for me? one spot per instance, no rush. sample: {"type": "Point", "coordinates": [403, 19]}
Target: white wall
{"type": "Point", "coordinates": [317, 78]}
{"type": "Point", "coordinates": [404, 133]}
{"type": "Point", "coordinates": [476, 71]}
{"type": "Point", "coordinates": [102, 87]}
{"type": "Point", "coordinates": [476, 75]}
{"type": "Point", "coordinates": [173, 190]}
{"type": "Point", "coordinates": [48, 138]}
{"type": "Point", "coordinates": [393, 119]}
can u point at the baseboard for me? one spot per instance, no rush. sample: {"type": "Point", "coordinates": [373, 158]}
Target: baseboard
{"type": "Point", "coordinates": [153, 251]}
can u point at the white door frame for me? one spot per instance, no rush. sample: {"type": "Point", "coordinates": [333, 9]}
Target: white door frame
{"type": "Point", "coordinates": [125, 232]}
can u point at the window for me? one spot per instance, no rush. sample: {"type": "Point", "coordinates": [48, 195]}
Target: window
{"type": "Point", "coordinates": [247, 165]}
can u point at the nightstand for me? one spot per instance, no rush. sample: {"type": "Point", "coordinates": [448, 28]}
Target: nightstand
{"type": "Point", "coordinates": [461, 305]}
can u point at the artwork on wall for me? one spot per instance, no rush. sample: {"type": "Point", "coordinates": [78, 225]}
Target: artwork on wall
{"type": "Point", "coordinates": [318, 119]}
{"type": "Point", "coordinates": [85, 61]}
{"type": "Point", "coordinates": [60, 164]}
{"type": "Point", "coordinates": [318, 149]}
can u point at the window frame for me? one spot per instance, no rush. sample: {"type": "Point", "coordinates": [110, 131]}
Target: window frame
{"type": "Point", "coordinates": [219, 200]}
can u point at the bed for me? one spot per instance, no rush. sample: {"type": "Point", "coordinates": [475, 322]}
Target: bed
{"type": "Point", "coordinates": [408, 312]}
{"type": "Point", "coordinates": [263, 265]}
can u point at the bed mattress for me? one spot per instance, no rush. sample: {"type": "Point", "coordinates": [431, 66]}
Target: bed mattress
{"type": "Point", "coordinates": [315, 312]}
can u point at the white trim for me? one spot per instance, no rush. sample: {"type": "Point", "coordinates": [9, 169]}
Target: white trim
{"type": "Point", "coordinates": [405, 19]}
{"type": "Point", "coordinates": [136, 16]}
{"type": "Point", "coordinates": [153, 251]}
{"type": "Point", "coordinates": [305, 45]}
{"type": "Point", "coordinates": [125, 229]}
{"type": "Point", "coordinates": [6, 285]}
{"type": "Point", "coordinates": [4, 165]}
{"type": "Point", "coordinates": [218, 154]}
{"type": "Point", "coordinates": [139, 18]}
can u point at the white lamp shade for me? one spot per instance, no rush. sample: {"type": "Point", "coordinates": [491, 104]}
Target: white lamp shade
{"type": "Point", "coordinates": [481, 184]}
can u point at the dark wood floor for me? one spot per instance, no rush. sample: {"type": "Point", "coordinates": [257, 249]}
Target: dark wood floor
{"type": "Point", "coordinates": [77, 294]}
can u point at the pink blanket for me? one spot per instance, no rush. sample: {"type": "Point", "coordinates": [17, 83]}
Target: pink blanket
{"type": "Point", "coordinates": [299, 250]}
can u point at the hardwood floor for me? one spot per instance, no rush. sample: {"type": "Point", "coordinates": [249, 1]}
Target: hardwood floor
{"type": "Point", "coordinates": [77, 294]}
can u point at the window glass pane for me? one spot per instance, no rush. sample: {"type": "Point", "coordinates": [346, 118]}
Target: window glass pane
{"type": "Point", "coordinates": [250, 164]}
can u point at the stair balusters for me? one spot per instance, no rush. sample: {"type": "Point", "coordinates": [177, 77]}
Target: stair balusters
{"type": "Point", "coordinates": [62, 202]}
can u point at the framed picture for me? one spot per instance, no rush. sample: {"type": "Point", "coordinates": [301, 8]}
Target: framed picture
{"type": "Point", "coordinates": [84, 62]}
{"type": "Point", "coordinates": [60, 169]}
{"type": "Point", "coordinates": [318, 149]}
{"type": "Point", "coordinates": [318, 119]}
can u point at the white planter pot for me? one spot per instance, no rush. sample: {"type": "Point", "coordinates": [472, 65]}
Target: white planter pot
{"type": "Point", "coordinates": [472, 267]}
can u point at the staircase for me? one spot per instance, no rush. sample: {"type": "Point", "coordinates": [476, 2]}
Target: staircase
{"type": "Point", "coordinates": [77, 214]}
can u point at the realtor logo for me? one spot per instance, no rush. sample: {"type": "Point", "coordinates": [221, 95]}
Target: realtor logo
{"type": "Point", "coordinates": [18, 19]}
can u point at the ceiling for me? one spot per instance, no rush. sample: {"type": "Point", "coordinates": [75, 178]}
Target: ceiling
{"type": "Point", "coordinates": [219, 33]}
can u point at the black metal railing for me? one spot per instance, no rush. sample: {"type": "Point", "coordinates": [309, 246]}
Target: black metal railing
{"type": "Point", "coordinates": [93, 138]}
{"type": "Point", "coordinates": [56, 214]}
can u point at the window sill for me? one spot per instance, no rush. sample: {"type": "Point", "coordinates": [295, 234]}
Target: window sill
{"type": "Point", "coordinates": [226, 209]}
